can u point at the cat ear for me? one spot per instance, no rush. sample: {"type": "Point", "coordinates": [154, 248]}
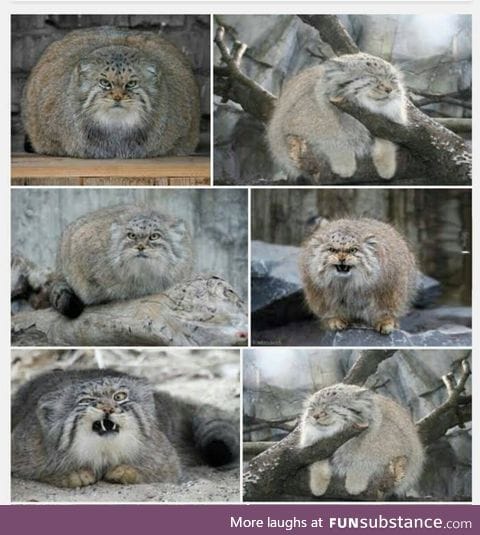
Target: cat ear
{"type": "Point", "coordinates": [46, 409]}
{"type": "Point", "coordinates": [371, 241]}
{"type": "Point", "coordinates": [151, 70]}
{"type": "Point", "coordinates": [178, 229]}
{"type": "Point", "coordinates": [83, 66]}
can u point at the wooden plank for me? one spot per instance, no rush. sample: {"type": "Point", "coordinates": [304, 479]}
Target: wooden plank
{"type": "Point", "coordinates": [34, 169]}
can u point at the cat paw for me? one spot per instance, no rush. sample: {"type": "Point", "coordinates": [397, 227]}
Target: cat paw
{"type": "Point", "coordinates": [123, 474]}
{"type": "Point", "coordinates": [320, 475]}
{"type": "Point", "coordinates": [385, 326]}
{"type": "Point", "coordinates": [343, 163]}
{"type": "Point", "coordinates": [355, 484]}
{"type": "Point", "coordinates": [76, 479]}
{"type": "Point", "coordinates": [384, 156]}
{"type": "Point", "coordinates": [337, 324]}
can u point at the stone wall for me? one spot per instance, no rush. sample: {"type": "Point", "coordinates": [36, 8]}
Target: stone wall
{"type": "Point", "coordinates": [31, 34]}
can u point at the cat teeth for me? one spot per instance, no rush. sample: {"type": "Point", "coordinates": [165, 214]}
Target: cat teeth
{"type": "Point", "coordinates": [102, 426]}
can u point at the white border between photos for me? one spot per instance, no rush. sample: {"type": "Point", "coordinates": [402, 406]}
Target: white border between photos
{"type": "Point", "coordinates": [193, 7]}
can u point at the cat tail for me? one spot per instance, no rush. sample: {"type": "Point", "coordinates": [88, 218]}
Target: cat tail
{"type": "Point", "coordinates": [65, 300]}
{"type": "Point", "coordinates": [216, 436]}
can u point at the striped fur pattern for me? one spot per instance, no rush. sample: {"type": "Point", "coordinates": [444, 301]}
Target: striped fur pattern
{"type": "Point", "coordinates": [77, 427]}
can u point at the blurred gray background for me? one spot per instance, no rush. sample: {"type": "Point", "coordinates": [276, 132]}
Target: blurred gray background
{"type": "Point", "coordinates": [31, 34]}
{"type": "Point", "coordinates": [217, 219]}
{"type": "Point", "coordinates": [433, 51]}
{"type": "Point", "coordinates": [276, 383]}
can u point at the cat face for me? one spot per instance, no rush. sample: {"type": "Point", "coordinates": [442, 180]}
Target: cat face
{"type": "Point", "coordinates": [117, 87]}
{"type": "Point", "coordinates": [97, 421]}
{"type": "Point", "coordinates": [333, 408]}
{"type": "Point", "coordinates": [149, 239]}
{"type": "Point", "coordinates": [344, 257]}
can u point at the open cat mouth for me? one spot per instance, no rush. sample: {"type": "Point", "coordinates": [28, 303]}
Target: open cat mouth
{"type": "Point", "coordinates": [105, 427]}
{"type": "Point", "coordinates": [343, 268]}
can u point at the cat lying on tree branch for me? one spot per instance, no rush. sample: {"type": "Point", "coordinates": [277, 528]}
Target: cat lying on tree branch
{"type": "Point", "coordinates": [382, 135]}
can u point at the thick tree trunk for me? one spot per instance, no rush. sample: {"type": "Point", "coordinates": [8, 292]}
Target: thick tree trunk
{"type": "Point", "coordinates": [204, 311]}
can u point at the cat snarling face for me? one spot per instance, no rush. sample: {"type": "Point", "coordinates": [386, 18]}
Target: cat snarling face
{"type": "Point", "coordinates": [117, 87]}
{"type": "Point", "coordinates": [98, 421]}
{"type": "Point", "coordinates": [331, 409]}
{"type": "Point", "coordinates": [346, 258]}
{"type": "Point", "coordinates": [371, 81]}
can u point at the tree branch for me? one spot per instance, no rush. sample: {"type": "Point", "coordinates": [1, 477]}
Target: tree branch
{"type": "Point", "coordinates": [232, 84]}
{"type": "Point", "coordinates": [455, 410]}
{"type": "Point", "coordinates": [332, 32]}
{"type": "Point", "coordinates": [204, 311]}
{"type": "Point", "coordinates": [366, 365]}
{"type": "Point", "coordinates": [442, 152]}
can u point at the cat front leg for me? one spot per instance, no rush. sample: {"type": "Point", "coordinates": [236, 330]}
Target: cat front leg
{"type": "Point", "coordinates": [123, 474]}
{"type": "Point", "coordinates": [356, 481]}
{"type": "Point", "coordinates": [320, 476]}
{"type": "Point", "coordinates": [384, 156]}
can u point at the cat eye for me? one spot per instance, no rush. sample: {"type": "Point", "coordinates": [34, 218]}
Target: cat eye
{"type": "Point", "coordinates": [332, 249]}
{"type": "Point", "coordinates": [154, 236]}
{"type": "Point", "coordinates": [131, 84]}
{"type": "Point", "coordinates": [120, 396]}
{"type": "Point", "coordinates": [104, 83]}
{"type": "Point", "coordinates": [353, 250]}
{"type": "Point", "coordinates": [131, 236]}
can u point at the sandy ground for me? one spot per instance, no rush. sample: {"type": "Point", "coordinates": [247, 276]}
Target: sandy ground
{"type": "Point", "coordinates": [210, 376]}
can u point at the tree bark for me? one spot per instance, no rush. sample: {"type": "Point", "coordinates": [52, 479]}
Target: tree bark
{"type": "Point", "coordinates": [443, 153]}
{"type": "Point", "coordinates": [204, 311]}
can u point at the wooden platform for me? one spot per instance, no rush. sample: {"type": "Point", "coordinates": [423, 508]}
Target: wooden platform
{"type": "Point", "coordinates": [37, 170]}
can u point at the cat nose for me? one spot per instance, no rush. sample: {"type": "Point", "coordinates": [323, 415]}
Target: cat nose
{"type": "Point", "coordinates": [107, 408]}
{"type": "Point", "coordinates": [141, 246]}
{"type": "Point", "coordinates": [388, 89]}
{"type": "Point", "coordinates": [117, 95]}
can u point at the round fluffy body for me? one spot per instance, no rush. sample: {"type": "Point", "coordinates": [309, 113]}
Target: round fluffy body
{"type": "Point", "coordinates": [305, 111]}
{"type": "Point", "coordinates": [75, 427]}
{"type": "Point", "coordinates": [112, 93]}
{"type": "Point", "coordinates": [389, 440]}
{"type": "Point", "coordinates": [124, 252]}
{"type": "Point", "coordinates": [358, 270]}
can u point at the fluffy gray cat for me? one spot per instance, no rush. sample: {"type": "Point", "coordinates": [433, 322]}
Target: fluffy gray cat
{"type": "Point", "coordinates": [73, 428]}
{"type": "Point", "coordinates": [112, 93]}
{"type": "Point", "coordinates": [389, 443]}
{"type": "Point", "coordinates": [305, 110]}
{"type": "Point", "coordinates": [118, 253]}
